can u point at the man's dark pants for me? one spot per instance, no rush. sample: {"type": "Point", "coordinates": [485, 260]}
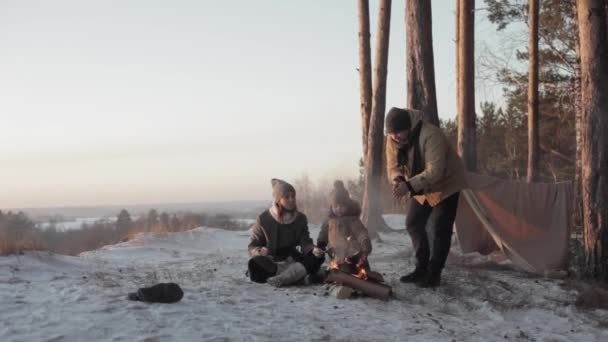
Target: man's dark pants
{"type": "Point", "coordinates": [443, 216]}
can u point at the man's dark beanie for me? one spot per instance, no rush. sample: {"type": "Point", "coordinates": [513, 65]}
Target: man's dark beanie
{"type": "Point", "coordinates": [397, 120]}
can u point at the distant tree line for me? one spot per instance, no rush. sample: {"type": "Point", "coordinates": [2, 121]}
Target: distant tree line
{"type": "Point", "coordinates": [19, 233]}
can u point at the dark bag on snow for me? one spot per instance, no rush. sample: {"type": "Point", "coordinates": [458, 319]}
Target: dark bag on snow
{"type": "Point", "coordinates": [159, 293]}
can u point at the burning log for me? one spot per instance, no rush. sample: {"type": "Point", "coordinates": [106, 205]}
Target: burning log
{"type": "Point", "coordinates": [371, 289]}
{"type": "Point", "coordinates": [358, 271]}
{"type": "Point", "coordinates": [375, 277]}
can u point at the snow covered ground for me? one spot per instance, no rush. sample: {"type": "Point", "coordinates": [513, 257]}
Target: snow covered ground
{"type": "Point", "coordinates": [47, 297]}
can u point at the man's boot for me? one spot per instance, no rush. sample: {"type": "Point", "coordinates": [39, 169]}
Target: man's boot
{"type": "Point", "coordinates": [432, 278]}
{"type": "Point", "coordinates": [291, 275]}
{"type": "Point", "coordinates": [418, 275]}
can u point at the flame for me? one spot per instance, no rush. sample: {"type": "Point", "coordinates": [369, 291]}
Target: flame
{"type": "Point", "coordinates": [360, 271]}
{"type": "Point", "coordinates": [361, 274]}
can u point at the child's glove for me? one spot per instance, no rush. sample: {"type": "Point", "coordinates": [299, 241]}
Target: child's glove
{"type": "Point", "coordinates": [318, 252]}
{"type": "Point", "coordinates": [362, 259]}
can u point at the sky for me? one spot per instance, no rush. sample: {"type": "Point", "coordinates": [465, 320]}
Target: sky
{"type": "Point", "coordinates": [142, 101]}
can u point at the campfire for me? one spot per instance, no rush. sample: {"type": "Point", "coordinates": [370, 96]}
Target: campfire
{"type": "Point", "coordinates": [358, 278]}
{"type": "Point", "coordinates": [356, 270]}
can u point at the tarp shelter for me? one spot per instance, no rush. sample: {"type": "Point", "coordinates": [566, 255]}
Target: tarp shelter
{"type": "Point", "coordinates": [528, 222]}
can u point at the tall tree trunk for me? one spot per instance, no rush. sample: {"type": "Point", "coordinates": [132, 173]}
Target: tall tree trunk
{"type": "Point", "coordinates": [365, 71]}
{"type": "Point", "coordinates": [577, 217]}
{"type": "Point", "coordinates": [467, 148]}
{"type": "Point", "coordinates": [594, 105]}
{"type": "Point", "coordinates": [420, 62]}
{"type": "Point", "coordinates": [372, 214]}
{"type": "Point", "coordinates": [457, 52]}
{"type": "Point", "coordinates": [533, 111]}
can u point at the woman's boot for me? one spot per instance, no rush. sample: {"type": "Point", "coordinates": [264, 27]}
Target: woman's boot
{"type": "Point", "coordinates": [291, 275]}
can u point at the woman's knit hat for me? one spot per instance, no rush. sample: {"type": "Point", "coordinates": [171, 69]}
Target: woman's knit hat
{"type": "Point", "coordinates": [281, 188]}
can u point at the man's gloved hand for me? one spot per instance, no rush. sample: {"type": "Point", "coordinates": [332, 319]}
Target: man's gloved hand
{"type": "Point", "coordinates": [318, 252]}
{"type": "Point", "coordinates": [400, 189]}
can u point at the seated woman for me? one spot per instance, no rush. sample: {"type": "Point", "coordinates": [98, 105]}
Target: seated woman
{"type": "Point", "coordinates": [275, 236]}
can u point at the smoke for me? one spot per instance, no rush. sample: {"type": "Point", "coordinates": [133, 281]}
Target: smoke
{"type": "Point", "coordinates": [313, 197]}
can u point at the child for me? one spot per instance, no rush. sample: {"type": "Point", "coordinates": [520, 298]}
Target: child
{"type": "Point", "coordinates": [343, 235]}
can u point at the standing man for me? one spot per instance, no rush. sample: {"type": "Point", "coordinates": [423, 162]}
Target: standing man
{"type": "Point", "coordinates": [422, 162]}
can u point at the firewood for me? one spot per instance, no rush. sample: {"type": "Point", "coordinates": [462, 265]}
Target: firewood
{"type": "Point", "coordinates": [371, 289]}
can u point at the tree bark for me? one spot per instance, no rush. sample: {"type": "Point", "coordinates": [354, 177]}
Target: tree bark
{"type": "Point", "coordinates": [372, 214]}
{"type": "Point", "coordinates": [533, 110]}
{"type": "Point", "coordinates": [594, 123]}
{"type": "Point", "coordinates": [420, 62]}
{"type": "Point", "coordinates": [457, 53]}
{"type": "Point", "coordinates": [467, 148]}
{"type": "Point", "coordinates": [577, 216]}
{"type": "Point", "coordinates": [365, 70]}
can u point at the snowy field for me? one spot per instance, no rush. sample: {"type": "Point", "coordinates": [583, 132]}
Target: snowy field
{"type": "Point", "coordinates": [47, 297]}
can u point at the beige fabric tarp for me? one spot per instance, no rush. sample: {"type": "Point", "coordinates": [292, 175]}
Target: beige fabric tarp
{"type": "Point", "coordinates": [528, 222]}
